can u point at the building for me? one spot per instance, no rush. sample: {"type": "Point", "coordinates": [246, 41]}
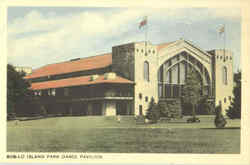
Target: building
{"type": "Point", "coordinates": [123, 82]}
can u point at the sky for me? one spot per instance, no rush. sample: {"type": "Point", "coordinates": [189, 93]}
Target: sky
{"type": "Point", "coordinates": [43, 35]}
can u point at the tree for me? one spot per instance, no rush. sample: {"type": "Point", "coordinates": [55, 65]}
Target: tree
{"type": "Point", "coordinates": [219, 120]}
{"type": "Point", "coordinates": [153, 112]}
{"type": "Point", "coordinates": [17, 88]}
{"type": "Point", "coordinates": [191, 91]}
{"type": "Point", "coordinates": [234, 110]}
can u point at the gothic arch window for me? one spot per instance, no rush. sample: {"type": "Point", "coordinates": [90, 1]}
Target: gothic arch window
{"type": "Point", "coordinates": [224, 75]}
{"type": "Point", "coordinates": [146, 71]}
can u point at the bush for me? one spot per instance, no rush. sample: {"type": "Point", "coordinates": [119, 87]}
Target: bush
{"type": "Point", "coordinates": [234, 110]}
{"type": "Point", "coordinates": [153, 112]}
{"type": "Point", "coordinates": [170, 108]}
{"type": "Point", "coordinates": [219, 121]}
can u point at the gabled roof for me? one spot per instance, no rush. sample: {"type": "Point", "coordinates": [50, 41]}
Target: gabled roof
{"type": "Point", "coordinates": [197, 47]}
{"type": "Point", "coordinates": [163, 45]}
{"type": "Point", "coordinates": [78, 81]}
{"type": "Point", "coordinates": [89, 63]}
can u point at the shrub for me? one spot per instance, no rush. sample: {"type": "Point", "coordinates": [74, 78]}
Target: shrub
{"type": "Point", "coordinates": [234, 110]}
{"type": "Point", "coordinates": [170, 108]}
{"type": "Point", "coordinates": [153, 112]}
{"type": "Point", "coordinates": [219, 121]}
{"type": "Point", "coordinates": [163, 108]}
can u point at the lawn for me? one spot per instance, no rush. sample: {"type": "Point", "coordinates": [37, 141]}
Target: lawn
{"type": "Point", "coordinates": [101, 134]}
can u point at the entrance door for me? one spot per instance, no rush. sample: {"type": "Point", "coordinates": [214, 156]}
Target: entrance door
{"type": "Point", "coordinates": [121, 108]}
{"type": "Point", "coordinates": [140, 110]}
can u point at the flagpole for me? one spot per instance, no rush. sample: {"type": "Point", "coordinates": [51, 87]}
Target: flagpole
{"type": "Point", "coordinates": [224, 42]}
{"type": "Point", "coordinates": [144, 23]}
{"type": "Point", "coordinates": [146, 35]}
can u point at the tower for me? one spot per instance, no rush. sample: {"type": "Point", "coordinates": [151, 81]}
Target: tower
{"type": "Point", "coordinates": [223, 77]}
{"type": "Point", "coordinates": [138, 62]}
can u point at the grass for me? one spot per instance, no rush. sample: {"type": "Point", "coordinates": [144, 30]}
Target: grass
{"type": "Point", "coordinates": [100, 134]}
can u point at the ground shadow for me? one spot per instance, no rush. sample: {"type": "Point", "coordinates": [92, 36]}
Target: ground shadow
{"type": "Point", "coordinates": [223, 128]}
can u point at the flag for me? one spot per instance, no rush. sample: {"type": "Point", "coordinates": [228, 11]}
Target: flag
{"type": "Point", "coordinates": [221, 29]}
{"type": "Point", "coordinates": [143, 22]}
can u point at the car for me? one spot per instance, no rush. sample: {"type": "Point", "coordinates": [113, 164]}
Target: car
{"type": "Point", "coordinates": [193, 120]}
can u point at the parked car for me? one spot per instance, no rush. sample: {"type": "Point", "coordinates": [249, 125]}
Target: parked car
{"type": "Point", "coordinates": [193, 120]}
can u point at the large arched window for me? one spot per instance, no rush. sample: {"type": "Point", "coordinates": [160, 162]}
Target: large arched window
{"type": "Point", "coordinates": [146, 71]}
{"type": "Point", "coordinates": [224, 75]}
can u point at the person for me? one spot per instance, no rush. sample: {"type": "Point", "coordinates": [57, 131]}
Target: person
{"type": "Point", "coordinates": [118, 119]}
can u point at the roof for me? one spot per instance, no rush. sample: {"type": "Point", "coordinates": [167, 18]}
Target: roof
{"type": "Point", "coordinates": [163, 45]}
{"type": "Point", "coordinates": [78, 81]}
{"type": "Point", "coordinates": [89, 63]}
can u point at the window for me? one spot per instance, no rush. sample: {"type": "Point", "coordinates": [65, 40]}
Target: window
{"type": "Point", "coordinates": [168, 92]}
{"type": "Point", "coordinates": [225, 100]}
{"type": "Point", "coordinates": [153, 51]}
{"type": "Point", "coordinates": [120, 93]}
{"type": "Point", "coordinates": [66, 91]}
{"type": "Point", "coordinates": [142, 50]}
{"type": "Point", "coordinates": [160, 90]}
{"type": "Point", "coordinates": [176, 91]}
{"type": "Point", "coordinates": [140, 110]}
{"type": "Point", "coordinates": [140, 96]}
{"type": "Point", "coordinates": [230, 98]}
{"type": "Point", "coordinates": [146, 98]}
{"type": "Point", "coordinates": [224, 75]}
{"type": "Point", "coordinates": [146, 71]}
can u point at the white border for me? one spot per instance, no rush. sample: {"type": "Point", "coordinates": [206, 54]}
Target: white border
{"type": "Point", "coordinates": [243, 158]}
